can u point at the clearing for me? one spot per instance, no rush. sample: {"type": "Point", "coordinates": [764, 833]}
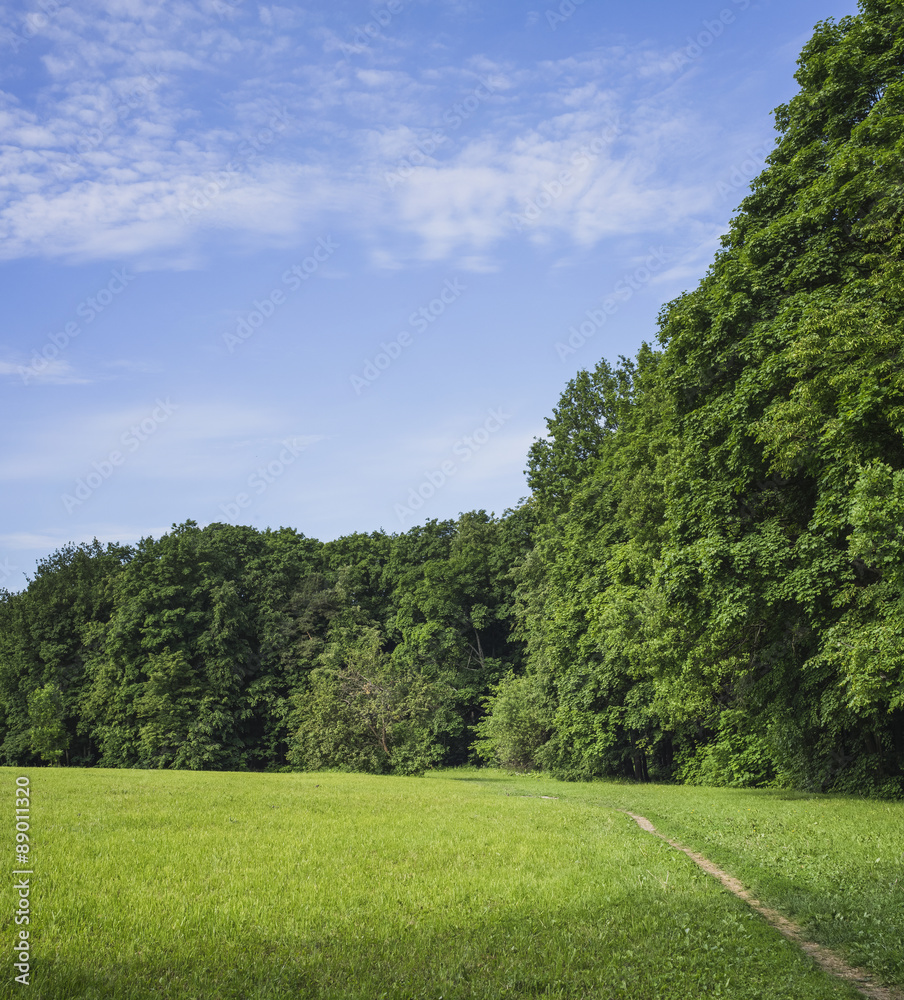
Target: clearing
{"type": "Point", "coordinates": [463, 884]}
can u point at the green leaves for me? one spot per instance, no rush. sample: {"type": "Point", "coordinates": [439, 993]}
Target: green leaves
{"type": "Point", "coordinates": [225, 647]}
{"type": "Point", "coordinates": [877, 516]}
{"type": "Point", "coordinates": [519, 724]}
{"type": "Point", "coordinates": [721, 542]}
{"type": "Point", "coordinates": [49, 739]}
{"type": "Point", "coordinates": [588, 414]}
{"type": "Point", "coordinates": [365, 712]}
{"type": "Point", "coordinates": [707, 579]}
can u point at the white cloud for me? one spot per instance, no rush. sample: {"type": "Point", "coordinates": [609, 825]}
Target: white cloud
{"type": "Point", "coordinates": [121, 157]}
{"type": "Point", "coordinates": [138, 367]}
{"type": "Point", "coordinates": [28, 540]}
{"type": "Point", "coordinates": [43, 373]}
{"type": "Point", "coordinates": [49, 541]}
{"type": "Point", "coordinates": [163, 439]}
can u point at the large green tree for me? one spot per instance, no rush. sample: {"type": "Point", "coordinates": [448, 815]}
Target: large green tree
{"type": "Point", "coordinates": [716, 585]}
{"type": "Point", "coordinates": [43, 636]}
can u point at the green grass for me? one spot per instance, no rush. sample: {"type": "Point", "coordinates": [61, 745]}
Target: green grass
{"type": "Point", "coordinates": [834, 864]}
{"type": "Point", "coordinates": [462, 884]}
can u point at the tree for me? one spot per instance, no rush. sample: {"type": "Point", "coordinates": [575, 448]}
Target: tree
{"type": "Point", "coordinates": [519, 722]}
{"type": "Point", "coordinates": [715, 587]}
{"type": "Point", "coordinates": [364, 713]}
{"type": "Point", "coordinates": [49, 738]}
{"type": "Point", "coordinates": [786, 370]}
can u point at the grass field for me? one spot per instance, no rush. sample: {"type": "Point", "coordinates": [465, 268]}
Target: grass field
{"type": "Point", "coordinates": [461, 884]}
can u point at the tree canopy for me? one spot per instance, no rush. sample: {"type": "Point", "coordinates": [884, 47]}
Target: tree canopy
{"type": "Point", "coordinates": [705, 584]}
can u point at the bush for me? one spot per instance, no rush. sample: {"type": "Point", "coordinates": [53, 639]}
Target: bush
{"type": "Point", "coordinates": [517, 725]}
{"type": "Point", "coordinates": [736, 758]}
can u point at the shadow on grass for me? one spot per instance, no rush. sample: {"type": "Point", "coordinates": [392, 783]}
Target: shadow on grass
{"type": "Point", "coordinates": [672, 944]}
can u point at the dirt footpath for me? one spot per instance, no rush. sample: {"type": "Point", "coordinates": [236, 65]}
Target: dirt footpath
{"type": "Point", "coordinates": [860, 979]}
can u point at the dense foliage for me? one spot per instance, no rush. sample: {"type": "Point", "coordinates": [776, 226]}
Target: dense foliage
{"type": "Point", "coordinates": [228, 648]}
{"type": "Point", "coordinates": [715, 591]}
{"type": "Point", "coordinates": [706, 583]}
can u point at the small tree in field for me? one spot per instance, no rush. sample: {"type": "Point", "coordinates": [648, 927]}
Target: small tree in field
{"type": "Point", "coordinates": [364, 712]}
{"type": "Point", "coordinates": [517, 725]}
{"type": "Point", "coordinates": [49, 738]}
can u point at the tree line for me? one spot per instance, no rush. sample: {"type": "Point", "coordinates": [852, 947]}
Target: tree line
{"type": "Point", "coordinates": [705, 584]}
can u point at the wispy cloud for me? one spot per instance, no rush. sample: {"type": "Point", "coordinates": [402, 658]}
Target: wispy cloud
{"type": "Point", "coordinates": [194, 441]}
{"type": "Point", "coordinates": [50, 373]}
{"type": "Point", "coordinates": [118, 156]}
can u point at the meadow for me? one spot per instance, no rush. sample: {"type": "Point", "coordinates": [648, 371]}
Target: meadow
{"type": "Point", "coordinates": [461, 884]}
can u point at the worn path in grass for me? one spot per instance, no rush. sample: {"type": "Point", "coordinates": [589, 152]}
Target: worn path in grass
{"type": "Point", "coordinates": [860, 979]}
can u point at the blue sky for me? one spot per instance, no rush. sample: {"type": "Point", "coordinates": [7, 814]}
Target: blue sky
{"type": "Point", "coordinates": [331, 266]}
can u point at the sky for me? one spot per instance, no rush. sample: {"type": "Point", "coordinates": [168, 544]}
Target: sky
{"type": "Point", "coordinates": [331, 266]}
